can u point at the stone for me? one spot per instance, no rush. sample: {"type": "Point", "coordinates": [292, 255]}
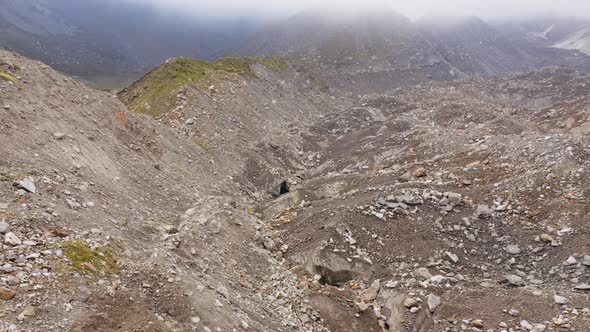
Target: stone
{"type": "Point", "coordinates": [514, 280]}
{"type": "Point", "coordinates": [6, 294]}
{"type": "Point", "coordinates": [483, 212]}
{"type": "Point", "coordinates": [59, 136]}
{"type": "Point", "coordinates": [451, 257]}
{"type": "Point", "coordinates": [514, 312]}
{"type": "Point", "coordinates": [28, 185]}
{"type": "Point", "coordinates": [433, 302]}
{"type": "Point", "coordinates": [583, 287]}
{"type": "Point", "coordinates": [526, 325]}
{"type": "Point", "coordinates": [29, 311]}
{"type": "Point", "coordinates": [268, 244]}
{"type": "Point", "coordinates": [410, 302]}
{"type": "Point", "coordinates": [392, 309]}
{"type": "Point", "coordinates": [171, 229]}
{"type": "Point", "coordinates": [586, 260]}
{"type": "Point", "coordinates": [513, 249]}
{"type": "Point", "coordinates": [4, 206]}
{"type": "Point", "coordinates": [422, 274]}
{"type": "Point", "coordinates": [420, 172]}
{"type": "Point", "coordinates": [571, 261]}
{"type": "Point", "coordinates": [11, 239]}
{"type": "Point", "coordinates": [4, 227]}
{"type": "Point", "coordinates": [560, 299]}
{"type": "Point", "coordinates": [454, 198]}
{"type": "Point", "coordinates": [370, 294]}
{"type": "Point", "coordinates": [477, 323]}
{"type": "Point", "coordinates": [546, 238]}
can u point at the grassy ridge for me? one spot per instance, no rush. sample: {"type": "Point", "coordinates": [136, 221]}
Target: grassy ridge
{"type": "Point", "coordinates": [155, 93]}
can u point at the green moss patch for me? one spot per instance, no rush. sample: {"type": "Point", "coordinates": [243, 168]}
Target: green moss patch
{"type": "Point", "coordinates": [8, 77]}
{"type": "Point", "coordinates": [201, 143]}
{"type": "Point", "coordinates": [92, 261]}
{"type": "Point", "coordinates": [155, 93]}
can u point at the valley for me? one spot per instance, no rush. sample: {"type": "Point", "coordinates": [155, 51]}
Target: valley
{"type": "Point", "coordinates": [431, 177]}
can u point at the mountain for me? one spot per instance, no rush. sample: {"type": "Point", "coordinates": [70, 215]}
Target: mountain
{"type": "Point", "coordinates": [577, 41]}
{"type": "Point", "coordinates": [72, 36]}
{"type": "Point", "coordinates": [474, 47]}
{"type": "Point", "coordinates": [379, 50]}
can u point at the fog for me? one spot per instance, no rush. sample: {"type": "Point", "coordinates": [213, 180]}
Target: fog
{"type": "Point", "coordinates": [411, 8]}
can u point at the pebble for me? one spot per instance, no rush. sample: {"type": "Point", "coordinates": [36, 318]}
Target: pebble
{"type": "Point", "coordinates": [11, 239]}
{"type": "Point", "coordinates": [410, 302]}
{"type": "Point", "coordinates": [369, 294]}
{"type": "Point", "coordinates": [526, 325]}
{"type": "Point", "coordinates": [29, 311]}
{"type": "Point", "coordinates": [420, 172]}
{"type": "Point", "coordinates": [560, 299]}
{"type": "Point", "coordinates": [6, 294]}
{"type": "Point", "coordinates": [452, 257]}
{"type": "Point", "coordinates": [571, 261]}
{"type": "Point", "coordinates": [483, 212]}
{"type": "Point", "coordinates": [513, 249]}
{"type": "Point", "coordinates": [477, 323]}
{"type": "Point", "coordinates": [433, 302]}
{"type": "Point", "coordinates": [422, 274]}
{"type": "Point", "coordinates": [4, 227]}
{"type": "Point", "coordinates": [28, 185]}
{"type": "Point", "coordinates": [514, 280]}
{"type": "Point", "coordinates": [59, 136]}
{"type": "Point", "coordinates": [514, 312]}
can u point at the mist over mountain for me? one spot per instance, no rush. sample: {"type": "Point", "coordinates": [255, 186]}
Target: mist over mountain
{"type": "Point", "coordinates": [110, 43]}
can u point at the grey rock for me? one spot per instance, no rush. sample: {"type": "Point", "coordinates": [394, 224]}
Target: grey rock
{"type": "Point", "coordinates": [28, 185]}
{"type": "Point", "coordinates": [433, 302]}
{"type": "Point", "coordinates": [11, 239]}
{"type": "Point", "coordinates": [586, 260]}
{"type": "Point", "coordinates": [571, 261]}
{"type": "Point", "coordinates": [269, 244]}
{"type": "Point", "coordinates": [4, 206]}
{"type": "Point", "coordinates": [59, 136]}
{"type": "Point", "coordinates": [393, 310]}
{"type": "Point", "coordinates": [483, 211]}
{"type": "Point", "coordinates": [4, 227]}
{"type": "Point", "coordinates": [454, 198]}
{"type": "Point", "coordinates": [514, 280]}
{"type": "Point", "coordinates": [451, 257]}
{"type": "Point", "coordinates": [583, 287]}
{"type": "Point", "coordinates": [422, 274]}
{"type": "Point", "coordinates": [513, 249]}
{"type": "Point", "coordinates": [560, 299]}
{"type": "Point", "coordinates": [410, 302]}
{"type": "Point", "coordinates": [526, 325]}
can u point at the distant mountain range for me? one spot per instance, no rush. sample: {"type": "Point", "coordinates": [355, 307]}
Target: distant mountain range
{"type": "Point", "coordinates": [109, 44]}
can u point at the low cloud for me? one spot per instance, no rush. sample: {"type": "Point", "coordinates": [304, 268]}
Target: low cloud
{"type": "Point", "coordinates": [411, 8]}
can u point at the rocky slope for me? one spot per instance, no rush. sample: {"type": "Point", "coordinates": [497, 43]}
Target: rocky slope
{"type": "Point", "coordinates": [241, 195]}
{"type": "Point", "coordinates": [114, 221]}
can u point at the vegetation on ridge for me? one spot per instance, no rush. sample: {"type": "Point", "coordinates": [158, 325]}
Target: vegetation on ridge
{"type": "Point", "coordinates": [8, 77]}
{"type": "Point", "coordinates": [156, 91]}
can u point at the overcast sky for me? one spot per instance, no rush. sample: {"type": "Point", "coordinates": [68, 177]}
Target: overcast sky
{"type": "Point", "coordinates": [411, 8]}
